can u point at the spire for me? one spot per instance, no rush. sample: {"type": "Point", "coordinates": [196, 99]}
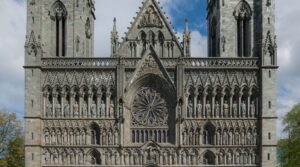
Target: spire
{"type": "Point", "coordinates": [114, 39]}
{"type": "Point", "coordinates": [187, 31]}
{"type": "Point", "coordinates": [187, 39]}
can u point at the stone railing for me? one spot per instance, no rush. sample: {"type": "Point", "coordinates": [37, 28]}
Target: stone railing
{"type": "Point", "coordinates": [221, 62]}
{"type": "Point", "coordinates": [167, 62]}
{"type": "Point", "coordinates": [79, 62]}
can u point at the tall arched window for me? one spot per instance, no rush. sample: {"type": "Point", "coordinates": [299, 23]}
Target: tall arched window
{"type": "Point", "coordinates": [243, 14]}
{"type": "Point", "coordinates": [59, 17]}
{"type": "Point", "coordinates": [213, 38]}
{"type": "Point", "coordinates": [94, 158]}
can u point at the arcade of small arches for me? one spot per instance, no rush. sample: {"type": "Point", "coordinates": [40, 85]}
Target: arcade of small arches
{"type": "Point", "coordinates": [84, 102]}
{"type": "Point", "coordinates": [163, 46]}
{"type": "Point", "coordinates": [221, 102]}
{"type": "Point", "coordinates": [93, 135]}
{"type": "Point", "coordinates": [167, 157]}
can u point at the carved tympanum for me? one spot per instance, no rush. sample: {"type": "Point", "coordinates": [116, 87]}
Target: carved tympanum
{"type": "Point", "coordinates": [149, 108]}
{"type": "Point", "coordinates": [150, 19]}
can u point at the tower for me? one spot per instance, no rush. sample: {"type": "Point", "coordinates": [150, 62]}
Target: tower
{"type": "Point", "coordinates": [55, 29]}
{"type": "Point", "coordinates": [246, 29]}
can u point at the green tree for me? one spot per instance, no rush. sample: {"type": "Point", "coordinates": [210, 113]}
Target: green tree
{"type": "Point", "coordinates": [289, 149]}
{"type": "Point", "coordinates": [15, 153]}
{"type": "Point", "coordinates": [11, 140]}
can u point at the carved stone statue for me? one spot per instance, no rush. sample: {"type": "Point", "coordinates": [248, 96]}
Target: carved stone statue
{"type": "Point", "coordinates": [243, 109]}
{"type": "Point", "coordinates": [67, 110]}
{"type": "Point", "coordinates": [226, 109]}
{"type": "Point", "coordinates": [234, 109]}
{"type": "Point", "coordinates": [111, 109]}
{"type": "Point", "coordinates": [116, 137]}
{"type": "Point", "coordinates": [47, 137]}
{"type": "Point", "coordinates": [57, 110]}
{"type": "Point", "coordinates": [190, 109]}
{"type": "Point", "coordinates": [102, 109]}
{"type": "Point", "coordinates": [199, 108]}
{"type": "Point", "coordinates": [208, 109]}
{"type": "Point", "coordinates": [252, 109]}
{"type": "Point", "coordinates": [76, 109]}
{"type": "Point", "coordinates": [49, 111]}
{"type": "Point", "coordinates": [84, 109]}
{"type": "Point", "coordinates": [93, 110]}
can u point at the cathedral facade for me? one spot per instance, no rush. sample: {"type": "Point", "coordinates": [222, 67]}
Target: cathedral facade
{"type": "Point", "coordinates": [150, 103]}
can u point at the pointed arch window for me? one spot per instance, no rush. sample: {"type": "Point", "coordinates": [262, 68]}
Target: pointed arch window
{"type": "Point", "coordinates": [213, 38]}
{"type": "Point", "coordinates": [243, 14]}
{"type": "Point", "coordinates": [59, 17]}
{"type": "Point", "coordinates": [161, 39]}
{"type": "Point", "coordinates": [95, 134]}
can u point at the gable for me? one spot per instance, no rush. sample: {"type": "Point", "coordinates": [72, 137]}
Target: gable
{"type": "Point", "coordinates": [150, 27]}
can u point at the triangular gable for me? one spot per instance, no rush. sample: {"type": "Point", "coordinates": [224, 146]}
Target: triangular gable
{"type": "Point", "coordinates": [150, 64]}
{"type": "Point", "coordinates": [151, 17]}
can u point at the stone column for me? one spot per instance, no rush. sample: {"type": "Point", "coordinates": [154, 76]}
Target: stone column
{"type": "Point", "coordinates": [72, 102]}
{"type": "Point", "coordinates": [204, 105]}
{"type": "Point", "coordinates": [98, 104]}
{"type": "Point", "coordinates": [221, 114]}
{"type": "Point", "coordinates": [45, 95]}
{"type": "Point", "coordinates": [63, 97]}
{"type": "Point", "coordinates": [195, 105]}
{"type": "Point", "coordinates": [249, 114]}
{"type": "Point", "coordinates": [89, 103]}
{"type": "Point", "coordinates": [80, 104]}
{"type": "Point", "coordinates": [239, 104]}
{"type": "Point", "coordinates": [230, 114]}
{"type": "Point", "coordinates": [108, 97]}
{"type": "Point", "coordinates": [54, 99]}
{"type": "Point", "coordinates": [213, 114]}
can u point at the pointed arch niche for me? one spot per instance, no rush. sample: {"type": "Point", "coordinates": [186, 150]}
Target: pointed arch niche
{"type": "Point", "coordinates": [150, 102]}
{"type": "Point", "coordinates": [58, 15]}
{"type": "Point", "coordinates": [243, 15]}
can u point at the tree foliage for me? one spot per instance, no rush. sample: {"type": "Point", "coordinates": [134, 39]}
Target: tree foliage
{"type": "Point", "coordinates": [11, 140]}
{"type": "Point", "coordinates": [289, 149]}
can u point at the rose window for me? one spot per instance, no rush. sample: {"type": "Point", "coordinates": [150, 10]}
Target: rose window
{"type": "Point", "coordinates": [149, 108]}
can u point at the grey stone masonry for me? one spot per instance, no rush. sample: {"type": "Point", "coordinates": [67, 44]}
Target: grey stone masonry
{"type": "Point", "coordinates": [150, 102]}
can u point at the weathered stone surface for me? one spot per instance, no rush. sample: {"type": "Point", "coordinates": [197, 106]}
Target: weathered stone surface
{"type": "Point", "coordinates": [150, 103]}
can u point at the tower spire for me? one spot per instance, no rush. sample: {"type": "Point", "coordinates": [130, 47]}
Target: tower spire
{"type": "Point", "coordinates": [187, 39]}
{"type": "Point", "coordinates": [114, 38]}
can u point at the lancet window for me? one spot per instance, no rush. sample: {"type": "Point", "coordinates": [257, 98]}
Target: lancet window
{"type": "Point", "coordinates": [59, 18]}
{"type": "Point", "coordinates": [243, 14]}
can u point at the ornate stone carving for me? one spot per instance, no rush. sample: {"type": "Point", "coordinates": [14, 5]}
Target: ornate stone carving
{"type": "Point", "coordinates": [150, 19]}
{"type": "Point", "coordinates": [149, 108]}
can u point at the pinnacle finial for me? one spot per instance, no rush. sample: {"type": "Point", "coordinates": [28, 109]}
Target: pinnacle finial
{"type": "Point", "coordinates": [187, 31]}
{"type": "Point", "coordinates": [115, 25]}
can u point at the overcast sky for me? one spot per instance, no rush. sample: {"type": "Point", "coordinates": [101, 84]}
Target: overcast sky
{"type": "Point", "coordinates": [12, 38]}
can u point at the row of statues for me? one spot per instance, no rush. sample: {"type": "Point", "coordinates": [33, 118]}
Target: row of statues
{"type": "Point", "coordinates": [80, 110]}
{"type": "Point", "coordinates": [77, 157]}
{"type": "Point", "coordinates": [221, 110]}
{"type": "Point", "coordinates": [77, 137]}
{"type": "Point", "coordinates": [219, 137]}
{"type": "Point", "coordinates": [237, 157]}
{"type": "Point", "coordinates": [65, 137]}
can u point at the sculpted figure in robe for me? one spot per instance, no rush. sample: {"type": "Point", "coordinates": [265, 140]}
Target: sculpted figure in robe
{"type": "Point", "coordinates": [252, 109]}
{"type": "Point", "coordinates": [67, 110]}
{"type": "Point", "coordinates": [76, 109]}
{"type": "Point", "coordinates": [57, 110]}
{"type": "Point", "coordinates": [234, 109]}
{"type": "Point", "coordinates": [102, 109]}
{"type": "Point", "coordinates": [190, 109]}
{"type": "Point", "coordinates": [93, 110]}
{"type": "Point", "coordinates": [226, 109]}
{"type": "Point", "coordinates": [111, 109]}
{"type": "Point", "coordinates": [199, 108]}
{"type": "Point", "coordinates": [208, 109]}
{"type": "Point", "coordinates": [243, 109]}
